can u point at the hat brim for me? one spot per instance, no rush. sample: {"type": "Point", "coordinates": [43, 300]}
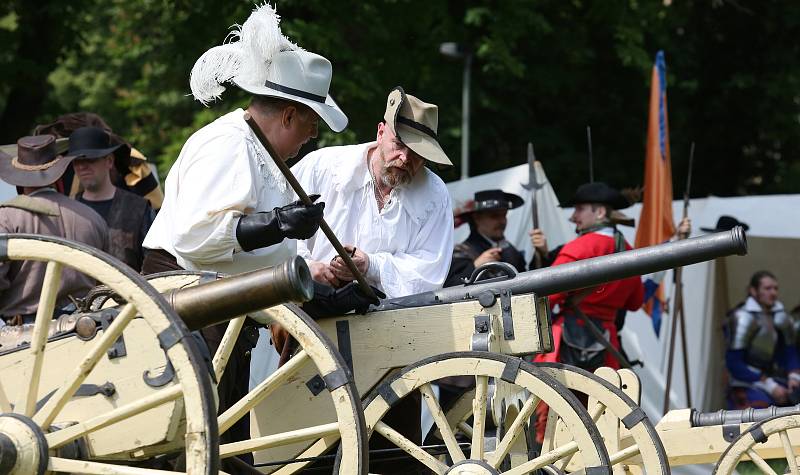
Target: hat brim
{"type": "Point", "coordinates": [330, 112]}
{"type": "Point", "coordinates": [94, 153]}
{"type": "Point", "coordinates": [422, 144]}
{"type": "Point", "coordinates": [17, 177]}
{"type": "Point", "coordinates": [514, 201]}
{"type": "Point", "coordinates": [721, 230]}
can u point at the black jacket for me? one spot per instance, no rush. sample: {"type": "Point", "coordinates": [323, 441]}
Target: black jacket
{"type": "Point", "coordinates": [466, 252]}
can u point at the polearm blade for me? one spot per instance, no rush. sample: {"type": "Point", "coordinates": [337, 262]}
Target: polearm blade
{"type": "Point", "coordinates": [287, 173]}
{"type": "Point", "coordinates": [532, 185]}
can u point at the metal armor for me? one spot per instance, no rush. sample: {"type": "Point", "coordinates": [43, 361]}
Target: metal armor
{"type": "Point", "coordinates": [757, 333]}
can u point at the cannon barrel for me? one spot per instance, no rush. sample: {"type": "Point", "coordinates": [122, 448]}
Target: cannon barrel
{"type": "Point", "coordinates": [591, 272]}
{"type": "Point", "coordinates": [223, 299]}
{"type": "Point", "coordinates": [739, 416]}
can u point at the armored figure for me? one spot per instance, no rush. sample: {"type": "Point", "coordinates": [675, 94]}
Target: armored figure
{"type": "Point", "coordinates": [762, 355]}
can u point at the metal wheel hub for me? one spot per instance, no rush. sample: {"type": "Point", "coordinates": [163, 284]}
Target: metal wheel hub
{"type": "Point", "coordinates": [23, 447]}
{"type": "Point", "coordinates": [472, 467]}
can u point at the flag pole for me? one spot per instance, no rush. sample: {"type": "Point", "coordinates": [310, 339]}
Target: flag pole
{"type": "Point", "coordinates": [678, 307]}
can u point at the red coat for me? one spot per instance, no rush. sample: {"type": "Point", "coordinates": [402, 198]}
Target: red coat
{"type": "Point", "coordinates": [605, 300]}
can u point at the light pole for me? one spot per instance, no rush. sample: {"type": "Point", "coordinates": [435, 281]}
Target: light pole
{"type": "Point", "coordinates": [456, 50]}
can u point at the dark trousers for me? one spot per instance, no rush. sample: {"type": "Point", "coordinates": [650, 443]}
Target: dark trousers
{"type": "Point", "coordinates": [234, 384]}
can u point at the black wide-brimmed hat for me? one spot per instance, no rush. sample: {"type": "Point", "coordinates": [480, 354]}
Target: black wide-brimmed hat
{"type": "Point", "coordinates": [598, 192]}
{"type": "Point", "coordinates": [488, 200]}
{"type": "Point", "coordinates": [94, 142]}
{"type": "Point", "coordinates": [36, 162]}
{"type": "Point", "coordinates": [726, 223]}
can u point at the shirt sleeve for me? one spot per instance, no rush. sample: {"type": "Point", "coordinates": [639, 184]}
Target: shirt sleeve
{"type": "Point", "coordinates": [636, 299]}
{"type": "Point", "coordinates": [216, 188]}
{"type": "Point", "coordinates": [739, 369]}
{"type": "Point", "coordinates": [5, 265]}
{"type": "Point", "coordinates": [567, 254]}
{"type": "Point", "coordinates": [424, 266]}
{"type": "Point", "coordinates": [304, 172]}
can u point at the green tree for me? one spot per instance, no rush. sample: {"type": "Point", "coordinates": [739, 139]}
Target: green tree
{"type": "Point", "coordinates": [543, 70]}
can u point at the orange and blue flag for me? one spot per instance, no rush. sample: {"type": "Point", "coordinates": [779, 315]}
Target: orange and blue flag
{"type": "Point", "coordinates": [655, 223]}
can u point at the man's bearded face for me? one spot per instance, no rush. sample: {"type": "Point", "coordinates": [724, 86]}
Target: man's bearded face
{"type": "Point", "coordinates": [399, 164]}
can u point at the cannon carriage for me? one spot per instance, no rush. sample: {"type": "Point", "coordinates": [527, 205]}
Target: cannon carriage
{"type": "Point", "coordinates": [122, 387]}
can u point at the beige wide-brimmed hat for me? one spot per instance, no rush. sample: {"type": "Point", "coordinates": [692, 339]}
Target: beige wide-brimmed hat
{"type": "Point", "coordinates": [415, 123]}
{"type": "Point", "coordinates": [258, 58]}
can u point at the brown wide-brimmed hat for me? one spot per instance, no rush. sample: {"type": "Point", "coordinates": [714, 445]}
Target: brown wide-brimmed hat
{"type": "Point", "coordinates": [37, 161]}
{"type": "Point", "coordinates": [415, 123]}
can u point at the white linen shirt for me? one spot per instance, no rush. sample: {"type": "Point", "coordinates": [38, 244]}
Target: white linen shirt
{"type": "Point", "coordinates": [221, 173]}
{"type": "Point", "coordinates": [409, 242]}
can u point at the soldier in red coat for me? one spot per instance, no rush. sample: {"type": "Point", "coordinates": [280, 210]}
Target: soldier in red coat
{"type": "Point", "coordinates": [598, 236]}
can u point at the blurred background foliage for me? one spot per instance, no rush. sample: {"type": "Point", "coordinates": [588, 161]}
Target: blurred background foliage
{"type": "Point", "coordinates": [543, 71]}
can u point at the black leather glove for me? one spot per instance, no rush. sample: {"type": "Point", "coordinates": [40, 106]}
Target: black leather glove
{"type": "Point", "coordinates": [295, 221]}
{"type": "Point", "coordinates": [329, 302]}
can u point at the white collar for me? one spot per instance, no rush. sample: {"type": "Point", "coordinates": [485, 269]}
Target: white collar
{"type": "Point", "coordinates": [414, 197]}
{"type": "Point", "coordinates": [751, 305]}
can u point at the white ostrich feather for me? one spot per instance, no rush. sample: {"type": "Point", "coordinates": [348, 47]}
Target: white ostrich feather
{"type": "Point", "coordinates": [214, 67]}
{"type": "Point", "coordinates": [245, 56]}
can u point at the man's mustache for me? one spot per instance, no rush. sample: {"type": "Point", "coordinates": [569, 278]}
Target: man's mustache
{"type": "Point", "coordinates": [397, 164]}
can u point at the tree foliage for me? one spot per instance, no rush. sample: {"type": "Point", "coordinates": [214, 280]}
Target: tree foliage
{"type": "Point", "coordinates": [543, 70]}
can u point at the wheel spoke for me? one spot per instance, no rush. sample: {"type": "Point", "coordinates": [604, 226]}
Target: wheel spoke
{"type": "Point", "coordinates": [597, 411]}
{"type": "Point", "coordinates": [410, 448]}
{"type": "Point", "coordinates": [41, 329]}
{"type": "Point", "coordinates": [788, 450]}
{"type": "Point", "coordinates": [514, 430]}
{"type": "Point", "coordinates": [274, 440]}
{"type": "Point", "coordinates": [479, 417]}
{"type": "Point", "coordinates": [58, 464]}
{"type": "Point", "coordinates": [226, 346]}
{"type": "Point", "coordinates": [624, 454]}
{"type": "Point", "coordinates": [58, 438]}
{"type": "Point", "coordinates": [465, 428]}
{"type": "Point", "coordinates": [44, 417]}
{"type": "Point", "coordinates": [441, 422]}
{"type": "Point", "coordinates": [544, 459]}
{"type": "Point", "coordinates": [264, 389]}
{"type": "Point", "coordinates": [760, 462]}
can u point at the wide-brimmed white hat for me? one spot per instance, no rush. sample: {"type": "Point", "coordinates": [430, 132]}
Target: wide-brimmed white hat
{"type": "Point", "coordinates": [415, 123]}
{"type": "Point", "coordinates": [259, 59]}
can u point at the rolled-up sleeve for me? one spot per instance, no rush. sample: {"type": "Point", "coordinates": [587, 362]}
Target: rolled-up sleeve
{"type": "Point", "coordinates": [216, 188]}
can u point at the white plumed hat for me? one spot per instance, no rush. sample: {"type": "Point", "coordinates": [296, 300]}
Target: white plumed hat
{"type": "Point", "coordinates": [258, 58]}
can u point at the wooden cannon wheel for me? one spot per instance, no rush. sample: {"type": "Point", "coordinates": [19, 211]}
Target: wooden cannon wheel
{"type": "Point", "coordinates": [586, 442]}
{"type": "Point", "coordinates": [606, 398]}
{"type": "Point", "coordinates": [41, 431]}
{"type": "Point", "coordinates": [746, 445]}
{"type": "Point", "coordinates": [315, 353]}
